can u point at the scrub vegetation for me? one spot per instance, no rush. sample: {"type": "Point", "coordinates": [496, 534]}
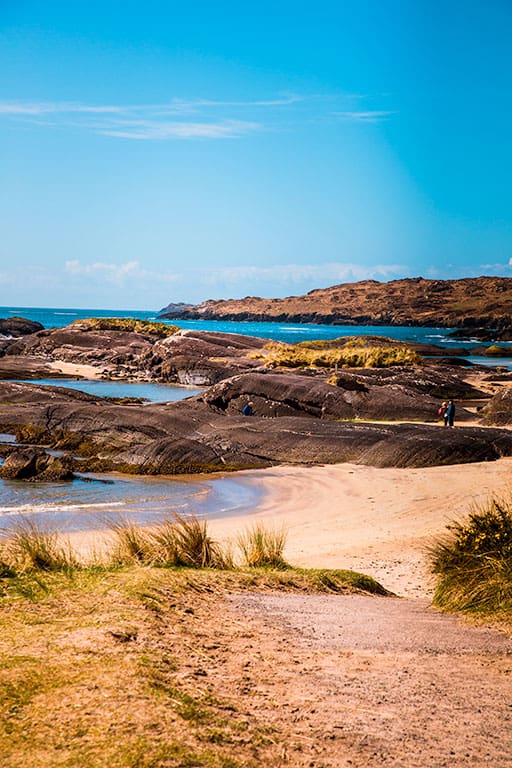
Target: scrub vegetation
{"type": "Point", "coordinates": [472, 564]}
{"type": "Point", "coordinates": [127, 324]}
{"type": "Point", "coordinates": [352, 354]}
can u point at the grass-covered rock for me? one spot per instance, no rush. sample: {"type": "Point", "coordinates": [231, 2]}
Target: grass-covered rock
{"type": "Point", "coordinates": [355, 354]}
{"type": "Point", "coordinates": [126, 324]}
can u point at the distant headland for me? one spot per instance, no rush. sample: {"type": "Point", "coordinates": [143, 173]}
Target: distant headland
{"type": "Point", "coordinates": [476, 302]}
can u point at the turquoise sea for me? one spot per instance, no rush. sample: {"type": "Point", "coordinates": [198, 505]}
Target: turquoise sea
{"type": "Point", "coordinates": [57, 318]}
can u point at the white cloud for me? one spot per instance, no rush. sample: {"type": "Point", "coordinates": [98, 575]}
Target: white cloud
{"type": "Point", "coordinates": [228, 129]}
{"type": "Point", "coordinates": [49, 108]}
{"type": "Point", "coordinates": [314, 274]}
{"type": "Point", "coordinates": [212, 118]}
{"type": "Point", "coordinates": [198, 284]}
{"type": "Point", "coordinates": [117, 274]}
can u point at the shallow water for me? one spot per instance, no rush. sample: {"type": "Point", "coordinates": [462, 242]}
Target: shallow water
{"type": "Point", "coordinates": [154, 393]}
{"type": "Point", "coordinates": [81, 506]}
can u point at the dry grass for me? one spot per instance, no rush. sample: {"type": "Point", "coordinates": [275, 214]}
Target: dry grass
{"type": "Point", "coordinates": [351, 355]}
{"type": "Point", "coordinates": [31, 548]}
{"type": "Point", "coordinates": [137, 667]}
{"type": "Point", "coordinates": [472, 564]}
{"type": "Point", "coordinates": [178, 541]}
{"type": "Point", "coordinates": [262, 547]}
{"type": "Point", "coordinates": [128, 324]}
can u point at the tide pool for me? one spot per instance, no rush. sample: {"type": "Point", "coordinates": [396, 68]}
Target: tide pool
{"type": "Point", "coordinates": [154, 393]}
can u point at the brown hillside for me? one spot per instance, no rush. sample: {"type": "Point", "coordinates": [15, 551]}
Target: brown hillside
{"type": "Point", "coordinates": [470, 302]}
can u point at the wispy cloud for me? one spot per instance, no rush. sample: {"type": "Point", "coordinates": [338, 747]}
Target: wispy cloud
{"type": "Point", "coordinates": [296, 274]}
{"type": "Point", "coordinates": [228, 129]}
{"type": "Point", "coordinates": [20, 108]}
{"type": "Point", "coordinates": [214, 282]}
{"type": "Point", "coordinates": [180, 119]}
{"type": "Point", "coordinates": [369, 116]}
{"type": "Point", "coordinates": [117, 274]}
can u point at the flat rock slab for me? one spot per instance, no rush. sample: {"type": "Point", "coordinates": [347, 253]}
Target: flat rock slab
{"type": "Point", "coordinates": [382, 681]}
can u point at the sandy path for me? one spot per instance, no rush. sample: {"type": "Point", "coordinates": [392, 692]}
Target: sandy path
{"type": "Point", "coordinates": [369, 681]}
{"type": "Point", "coordinates": [351, 681]}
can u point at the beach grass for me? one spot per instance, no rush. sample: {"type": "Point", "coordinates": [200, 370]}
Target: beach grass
{"type": "Point", "coordinates": [132, 665]}
{"type": "Point", "coordinates": [262, 547]}
{"type": "Point", "coordinates": [472, 562]}
{"type": "Point", "coordinates": [33, 548]}
{"type": "Point", "coordinates": [177, 541]}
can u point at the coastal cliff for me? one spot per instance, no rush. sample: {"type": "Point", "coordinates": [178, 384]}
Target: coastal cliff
{"type": "Point", "coordinates": [480, 302]}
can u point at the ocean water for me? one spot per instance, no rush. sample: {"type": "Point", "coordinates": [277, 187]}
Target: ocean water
{"type": "Point", "coordinates": [89, 505]}
{"type": "Point", "coordinates": [288, 332]}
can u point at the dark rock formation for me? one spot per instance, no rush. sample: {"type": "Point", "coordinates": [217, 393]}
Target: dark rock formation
{"type": "Point", "coordinates": [174, 310]}
{"type": "Point", "coordinates": [18, 326]}
{"type": "Point", "coordinates": [482, 302]}
{"type": "Point", "coordinates": [82, 345]}
{"type": "Point", "coordinates": [188, 357]}
{"type": "Point", "coordinates": [206, 434]}
{"type": "Point", "coordinates": [203, 358]}
{"type": "Point", "coordinates": [353, 397]}
{"type": "Point", "coordinates": [303, 441]}
{"type": "Point", "coordinates": [34, 465]}
{"type": "Point", "coordinates": [482, 334]}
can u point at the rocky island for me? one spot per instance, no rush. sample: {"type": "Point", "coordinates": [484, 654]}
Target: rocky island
{"type": "Point", "coordinates": [470, 303]}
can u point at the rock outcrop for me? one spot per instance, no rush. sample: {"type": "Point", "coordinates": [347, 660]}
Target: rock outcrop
{"type": "Point", "coordinates": [205, 433]}
{"type": "Point", "coordinates": [34, 465]}
{"type": "Point", "coordinates": [481, 302]}
{"type": "Point", "coordinates": [184, 356]}
{"type": "Point", "coordinates": [498, 411]}
{"type": "Point", "coordinates": [18, 326]}
{"type": "Point", "coordinates": [352, 397]}
{"type": "Point", "coordinates": [187, 357]}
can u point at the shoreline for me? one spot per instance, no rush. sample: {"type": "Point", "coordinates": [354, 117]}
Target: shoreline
{"type": "Point", "coordinates": [349, 516]}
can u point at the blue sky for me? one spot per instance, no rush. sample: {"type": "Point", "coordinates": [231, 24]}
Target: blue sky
{"type": "Point", "coordinates": [167, 151]}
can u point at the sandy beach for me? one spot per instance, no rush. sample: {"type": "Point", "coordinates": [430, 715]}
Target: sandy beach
{"type": "Point", "coordinates": [81, 370]}
{"type": "Point", "coordinates": [377, 521]}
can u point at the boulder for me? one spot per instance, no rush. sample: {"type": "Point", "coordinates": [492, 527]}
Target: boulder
{"type": "Point", "coordinates": [498, 411]}
{"type": "Point", "coordinates": [18, 326]}
{"type": "Point", "coordinates": [35, 465]}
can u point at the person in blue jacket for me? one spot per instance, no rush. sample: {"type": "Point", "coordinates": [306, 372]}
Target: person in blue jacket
{"type": "Point", "coordinates": [449, 414]}
{"type": "Point", "coordinates": [247, 410]}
